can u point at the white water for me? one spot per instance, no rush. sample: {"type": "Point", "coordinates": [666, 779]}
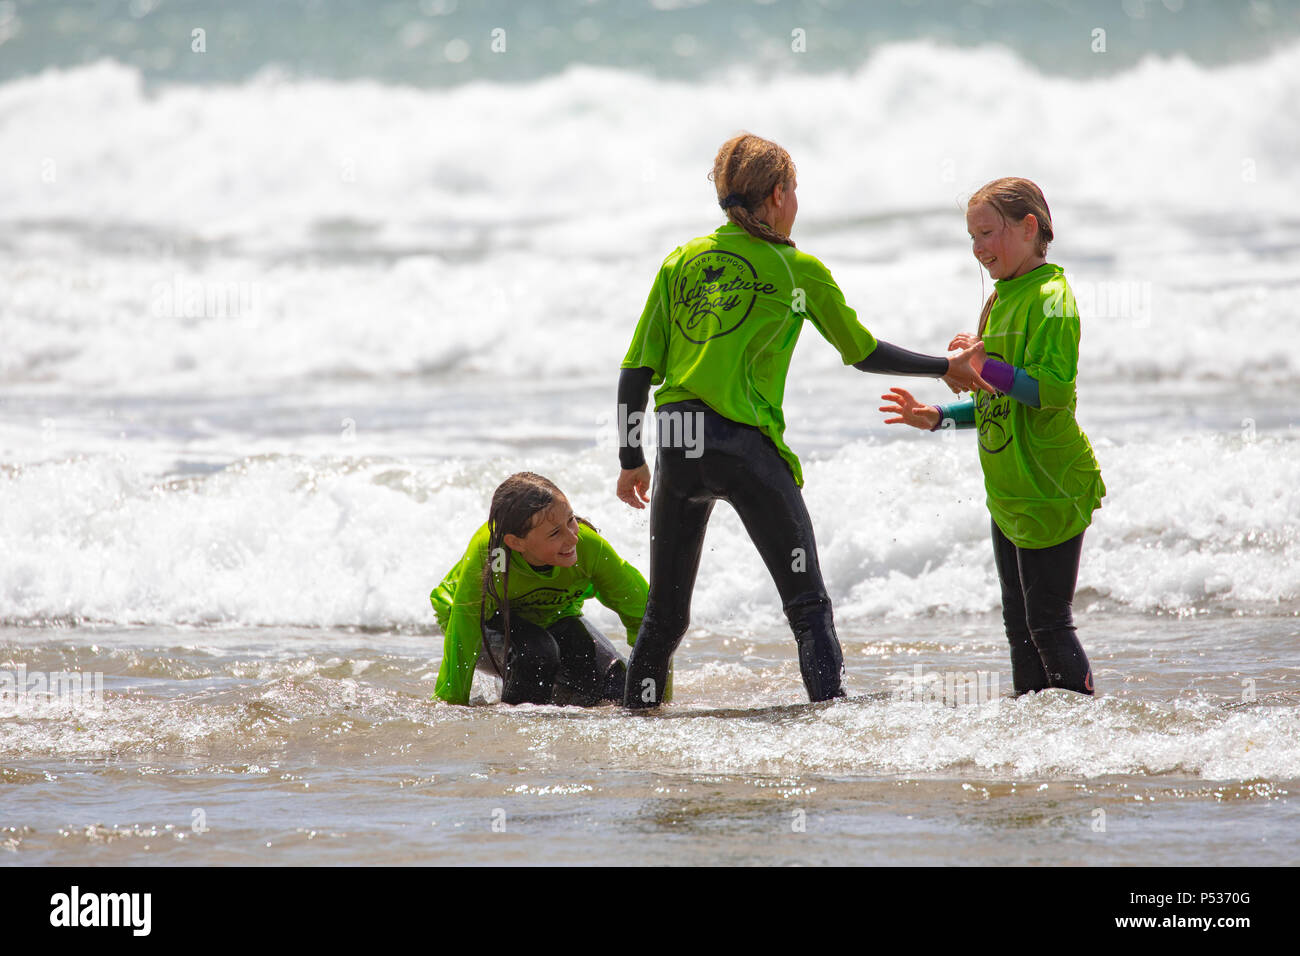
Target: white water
{"type": "Point", "coordinates": [269, 346]}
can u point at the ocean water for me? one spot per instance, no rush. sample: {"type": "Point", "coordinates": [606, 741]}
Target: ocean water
{"type": "Point", "coordinates": [277, 317]}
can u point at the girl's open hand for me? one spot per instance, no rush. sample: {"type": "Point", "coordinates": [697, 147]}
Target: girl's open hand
{"type": "Point", "coordinates": [908, 410]}
{"type": "Point", "coordinates": [962, 340]}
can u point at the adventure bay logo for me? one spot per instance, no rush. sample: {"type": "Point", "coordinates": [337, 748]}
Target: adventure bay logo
{"type": "Point", "coordinates": [717, 290]}
{"type": "Point", "coordinates": [993, 412]}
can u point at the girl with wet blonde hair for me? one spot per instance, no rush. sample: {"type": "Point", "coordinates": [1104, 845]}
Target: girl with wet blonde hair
{"type": "Point", "coordinates": [717, 334]}
{"type": "Point", "coordinates": [1040, 473]}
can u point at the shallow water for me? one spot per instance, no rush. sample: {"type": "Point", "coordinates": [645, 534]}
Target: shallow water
{"type": "Point", "coordinates": [320, 746]}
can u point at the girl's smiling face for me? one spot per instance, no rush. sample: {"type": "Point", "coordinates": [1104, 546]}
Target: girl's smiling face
{"type": "Point", "coordinates": [552, 539]}
{"type": "Point", "coordinates": [1006, 249]}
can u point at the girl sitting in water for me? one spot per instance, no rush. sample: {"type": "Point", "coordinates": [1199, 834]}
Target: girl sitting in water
{"type": "Point", "coordinates": [512, 606]}
{"type": "Point", "coordinates": [1042, 480]}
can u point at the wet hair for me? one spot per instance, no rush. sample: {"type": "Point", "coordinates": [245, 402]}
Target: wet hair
{"type": "Point", "coordinates": [745, 171]}
{"type": "Point", "coordinates": [516, 505]}
{"type": "Point", "coordinates": [1013, 199]}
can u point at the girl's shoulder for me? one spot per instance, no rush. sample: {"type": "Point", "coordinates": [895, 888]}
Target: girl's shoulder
{"type": "Point", "coordinates": [719, 237]}
{"type": "Point", "coordinates": [1050, 276]}
{"type": "Point", "coordinates": [805, 264]}
{"type": "Point", "coordinates": [478, 541]}
{"type": "Point", "coordinates": [675, 256]}
{"type": "Point", "coordinates": [1043, 284]}
{"type": "Point", "coordinates": [590, 537]}
{"type": "Point", "coordinates": [592, 547]}
{"type": "Point", "coordinates": [1053, 278]}
{"type": "Point", "coordinates": [1055, 297]}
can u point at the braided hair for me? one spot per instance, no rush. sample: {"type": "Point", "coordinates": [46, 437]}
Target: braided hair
{"type": "Point", "coordinates": [745, 171]}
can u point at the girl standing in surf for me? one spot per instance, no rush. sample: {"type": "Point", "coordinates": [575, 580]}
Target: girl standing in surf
{"type": "Point", "coordinates": [512, 606]}
{"type": "Point", "coordinates": [1042, 479]}
{"type": "Point", "coordinates": [718, 332]}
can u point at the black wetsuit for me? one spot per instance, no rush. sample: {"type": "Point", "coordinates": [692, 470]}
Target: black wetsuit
{"type": "Point", "coordinates": [569, 662]}
{"type": "Point", "coordinates": [1037, 595]}
{"type": "Point", "coordinates": [739, 464]}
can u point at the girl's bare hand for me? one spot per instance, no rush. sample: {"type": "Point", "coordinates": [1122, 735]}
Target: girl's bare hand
{"type": "Point", "coordinates": [908, 411]}
{"type": "Point", "coordinates": [964, 369]}
{"type": "Point", "coordinates": [634, 486]}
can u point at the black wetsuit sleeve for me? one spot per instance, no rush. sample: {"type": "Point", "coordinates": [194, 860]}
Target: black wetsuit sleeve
{"type": "Point", "coordinates": [633, 391]}
{"type": "Point", "coordinates": [889, 359]}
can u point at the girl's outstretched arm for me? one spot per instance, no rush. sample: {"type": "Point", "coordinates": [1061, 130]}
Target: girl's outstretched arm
{"type": "Point", "coordinates": [889, 359]}
{"type": "Point", "coordinates": [959, 372]}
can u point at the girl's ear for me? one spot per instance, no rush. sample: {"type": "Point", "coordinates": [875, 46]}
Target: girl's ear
{"type": "Point", "coordinates": [513, 542]}
{"type": "Point", "coordinates": [1030, 226]}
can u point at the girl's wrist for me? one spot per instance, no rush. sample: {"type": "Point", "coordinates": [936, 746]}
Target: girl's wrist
{"type": "Point", "coordinates": [938, 417]}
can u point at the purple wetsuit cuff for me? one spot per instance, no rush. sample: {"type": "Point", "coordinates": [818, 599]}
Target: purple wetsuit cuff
{"type": "Point", "coordinates": [939, 423]}
{"type": "Point", "coordinates": [999, 374]}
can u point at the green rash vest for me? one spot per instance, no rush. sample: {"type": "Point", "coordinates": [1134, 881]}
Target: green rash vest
{"type": "Point", "coordinates": [541, 597]}
{"type": "Point", "coordinates": [1040, 474]}
{"type": "Point", "coordinates": [721, 323]}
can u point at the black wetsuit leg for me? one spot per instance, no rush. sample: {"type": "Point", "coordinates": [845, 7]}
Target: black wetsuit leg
{"type": "Point", "coordinates": [591, 670]}
{"type": "Point", "coordinates": [1027, 674]}
{"type": "Point", "coordinates": [679, 513]}
{"type": "Point", "coordinates": [568, 663]}
{"type": "Point", "coordinates": [1037, 597]}
{"type": "Point", "coordinates": [610, 665]}
{"type": "Point", "coordinates": [531, 662]}
{"type": "Point", "coordinates": [739, 464]}
{"type": "Point", "coordinates": [772, 509]}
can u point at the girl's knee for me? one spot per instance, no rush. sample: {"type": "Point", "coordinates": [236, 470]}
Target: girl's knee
{"type": "Point", "coordinates": [530, 672]}
{"type": "Point", "coordinates": [615, 681]}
